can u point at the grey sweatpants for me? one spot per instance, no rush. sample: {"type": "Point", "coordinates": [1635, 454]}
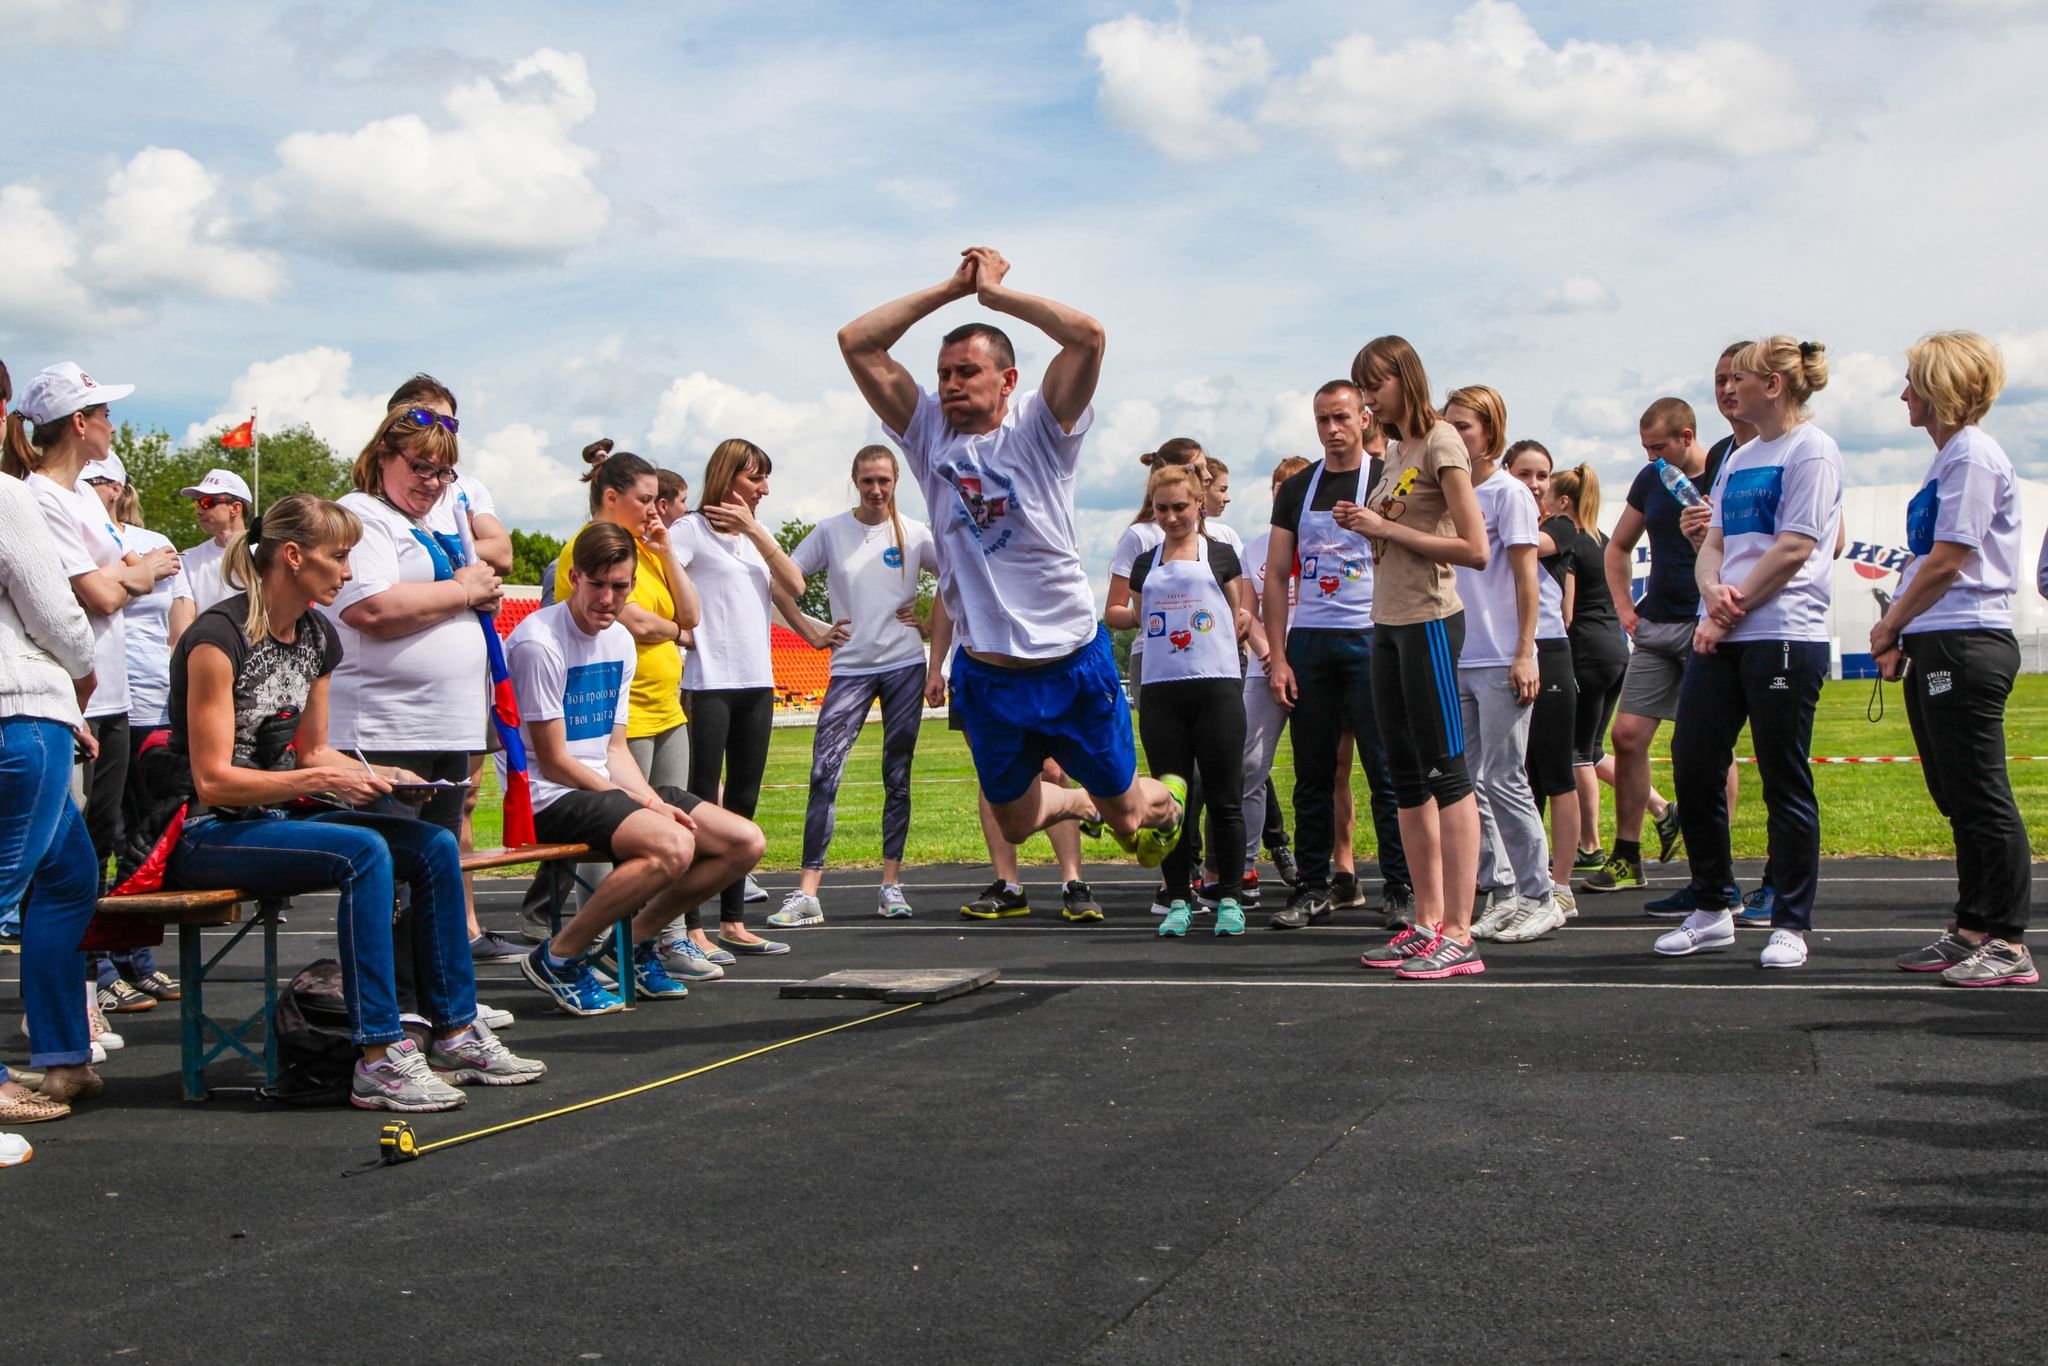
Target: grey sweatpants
{"type": "Point", "coordinates": [1264, 719]}
{"type": "Point", "coordinates": [1514, 851]}
{"type": "Point", "coordinates": [840, 718]}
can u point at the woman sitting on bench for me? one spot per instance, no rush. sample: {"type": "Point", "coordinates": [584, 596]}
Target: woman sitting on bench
{"type": "Point", "coordinates": [249, 685]}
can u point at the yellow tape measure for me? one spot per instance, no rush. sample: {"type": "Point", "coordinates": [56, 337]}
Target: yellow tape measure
{"type": "Point", "coordinates": [396, 1143]}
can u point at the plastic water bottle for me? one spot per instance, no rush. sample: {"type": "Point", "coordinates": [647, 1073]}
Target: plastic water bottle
{"type": "Point", "coordinates": [1680, 486]}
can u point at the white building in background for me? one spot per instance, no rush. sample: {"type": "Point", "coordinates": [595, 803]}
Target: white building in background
{"type": "Point", "coordinates": [1874, 516]}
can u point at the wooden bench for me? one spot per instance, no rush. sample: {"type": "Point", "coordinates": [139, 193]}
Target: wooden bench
{"type": "Point", "coordinates": [204, 1038]}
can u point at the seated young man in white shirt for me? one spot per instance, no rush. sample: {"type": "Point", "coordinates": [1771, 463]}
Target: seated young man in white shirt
{"type": "Point", "coordinates": [572, 670]}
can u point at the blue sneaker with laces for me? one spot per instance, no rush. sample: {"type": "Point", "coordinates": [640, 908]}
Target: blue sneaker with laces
{"type": "Point", "coordinates": [1755, 911]}
{"type": "Point", "coordinates": [573, 986]}
{"type": "Point", "coordinates": [1683, 903]}
{"type": "Point", "coordinates": [650, 977]}
{"type": "Point", "coordinates": [1229, 917]}
{"type": "Point", "coordinates": [1176, 922]}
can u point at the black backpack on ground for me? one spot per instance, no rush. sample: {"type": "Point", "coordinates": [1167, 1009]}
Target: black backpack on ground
{"type": "Point", "coordinates": [316, 1057]}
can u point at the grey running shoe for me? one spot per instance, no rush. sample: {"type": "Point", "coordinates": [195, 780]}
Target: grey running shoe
{"type": "Point", "coordinates": [1670, 838]}
{"type": "Point", "coordinates": [475, 1057]}
{"type": "Point", "coordinates": [404, 1082]}
{"type": "Point", "coordinates": [1412, 942]}
{"type": "Point", "coordinates": [1078, 904]}
{"type": "Point", "coordinates": [1995, 964]}
{"type": "Point", "coordinates": [996, 902]}
{"type": "Point", "coordinates": [490, 947]}
{"type": "Point", "coordinates": [1283, 864]}
{"type": "Point", "coordinates": [1400, 908]}
{"type": "Point", "coordinates": [754, 891]}
{"type": "Point", "coordinates": [891, 902]}
{"type": "Point", "coordinates": [1446, 958]}
{"type": "Point", "coordinates": [1943, 954]}
{"type": "Point", "coordinates": [1345, 892]}
{"type": "Point", "coordinates": [686, 962]}
{"type": "Point", "coordinates": [797, 911]}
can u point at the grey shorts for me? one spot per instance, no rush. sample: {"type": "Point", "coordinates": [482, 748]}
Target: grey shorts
{"type": "Point", "coordinates": [1655, 669]}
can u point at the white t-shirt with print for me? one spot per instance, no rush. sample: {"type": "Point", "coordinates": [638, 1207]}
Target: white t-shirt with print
{"type": "Point", "coordinates": [86, 540]}
{"type": "Point", "coordinates": [202, 565]}
{"type": "Point", "coordinates": [1002, 508]}
{"type": "Point", "coordinates": [1767, 488]}
{"type": "Point", "coordinates": [1493, 620]}
{"type": "Point", "coordinates": [148, 624]}
{"type": "Point", "coordinates": [413, 692]}
{"type": "Point", "coordinates": [731, 578]}
{"type": "Point", "coordinates": [869, 579]}
{"type": "Point", "coordinates": [562, 673]}
{"type": "Point", "coordinates": [1137, 538]}
{"type": "Point", "coordinates": [1971, 498]}
{"type": "Point", "coordinates": [467, 492]}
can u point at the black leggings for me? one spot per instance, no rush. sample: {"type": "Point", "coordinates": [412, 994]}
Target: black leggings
{"type": "Point", "coordinates": [1199, 722]}
{"type": "Point", "coordinates": [1415, 699]}
{"type": "Point", "coordinates": [1599, 680]}
{"type": "Point", "coordinates": [729, 730]}
{"type": "Point", "coordinates": [1550, 724]}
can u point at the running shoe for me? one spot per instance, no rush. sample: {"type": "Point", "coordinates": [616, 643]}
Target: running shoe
{"type": "Point", "coordinates": [1787, 949]}
{"type": "Point", "coordinates": [685, 961]}
{"type": "Point", "coordinates": [161, 985]}
{"type": "Point", "coordinates": [1614, 875]}
{"type": "Point", "coordinates": [403, 1082]}
{"type": "Point", "coordinates": [1345, 892]}
{"type": "Point", "coordinates": [1229, 918]}
{"type": "Point", "coordinates": [1533, 918]}
{"type": "Point", "coordinates": [1943, 954]}
{"type": "Point", "coordinates": [754, 891]}
{"type": "Point", "coordinates": [1702, 932]}
{"type": "Point", "coordinates": [1589, 861]}
{"type": "Point", "coordinates": [1307, 906]}
{"type": "Point", "coordinates": [1207, 893]}
{"type": "Point", "coordinates": [1670, 837]}
{"type": "Point", "coordinates": [1501, 904]}
{"type": "Point", "coordinates": [475, 1057]}
{"type": "Point", "coordinates": [1285, 866]}
{"type": "Point", "coordinates": [1152, 846]}
{"type": "Point", "coordinates": [650, 978]}
{"type": "Point", "coordinates": [1566, 901]}
{"type": "Point", "coordinates": [1445, 958]}
{"type": "Point", "coordinates": [797, 911]}
{"type": "Point", "coordinates": [1683, 903]}
{"type": "Point", "coordinates": [1162, 900]}
{"type": "Point", "coordinates": [1177, 918]}
{"type": "Point", "coordinates": [1400, 909]}
{"type": "Point", "coordinates": [15, 1150]}
{"type": "Point", "coordinates": [96, 1023]}
{"type": "Point", "coordinates": [891, 902]}
{"type": "Point", "coordinates": [1077, 903]}
{"type": "Point", "coordinates": [1094, 827]}
{"type": "Point", "coordinates": [1755, 911]}
{"type": "Point", "coordinates": [997, 902]}
{"type": "Point", "coordinates": [490, 947]}
{"type": "Point", "coordinates": [573, 986]}
{"type": "Point", "coordinates": [122, 999]}
{"type": "Point", "coordinates": [1996, 963]}
{"type": "Point", "coordinates": [1248, 893]}
{"type": "Point", "coordinates": [1412, 942]}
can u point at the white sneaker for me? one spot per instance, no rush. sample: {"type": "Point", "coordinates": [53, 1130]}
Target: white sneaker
{"type": "Point", "coordinates": [797, 911]}
{"type": "Point", "coordinates": [754, 892]}
{"type": "Point", "coordinates": [1786, 949]}
{"type": "Point", "coordinates": [14, 1150]}
{"type": "Point", "coordinates": [1701, 932]}
{"type": "Point", "coordinates": [98, 1049]}
{"type": "Point", "coordinates": [96, 1022]}
{"type": "Point", "coordinates": [1532, 920]}
{"type": "Point", "coordinates": [891, 902]}
{"type": "Point", "coordinates": [98, 1054]}
{"type": "Point", "coordinates": [494, 1018]}
{"type": "Point", "coordinates": [1567, 901]}
{"type": "Point", "coordinates": [1500, 909]}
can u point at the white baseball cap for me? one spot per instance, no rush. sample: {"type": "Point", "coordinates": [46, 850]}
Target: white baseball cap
{"type": "Point", "coordinates": [218, 482]}
{"type": "Point", "coordinates": [108, 466]}
{"type": "Point", "coordinates": [64, 389]}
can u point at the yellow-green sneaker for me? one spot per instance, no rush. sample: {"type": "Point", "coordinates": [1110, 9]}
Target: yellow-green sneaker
{"type": "Point", "coordinates": [1152, 846]}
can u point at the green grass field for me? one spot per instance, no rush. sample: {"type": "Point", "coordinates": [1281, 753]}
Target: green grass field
{"type": "Point", "coordinates": [1865, 808]}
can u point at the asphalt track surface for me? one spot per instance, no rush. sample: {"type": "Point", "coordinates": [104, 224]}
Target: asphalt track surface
{"type": "Point", "coordinates": [1127, 1150]}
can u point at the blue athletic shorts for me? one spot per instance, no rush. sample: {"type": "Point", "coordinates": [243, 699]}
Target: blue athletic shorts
{"type": "Point", "coordinates": [1072, 710]}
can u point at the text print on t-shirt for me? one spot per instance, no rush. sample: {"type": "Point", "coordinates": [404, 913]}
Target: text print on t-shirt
{"type": "Point", "coordinates": [590, 699]}
{"type": "Point", "coordinates": [1749, 501]}
{"type": "Point", "coordinates": [986, 498]}
{"type": "Point", "coordinates": [1392, 506]}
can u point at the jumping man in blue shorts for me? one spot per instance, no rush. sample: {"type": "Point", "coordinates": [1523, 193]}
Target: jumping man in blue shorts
{"type": "Point", "coordinates": [1034, 677]}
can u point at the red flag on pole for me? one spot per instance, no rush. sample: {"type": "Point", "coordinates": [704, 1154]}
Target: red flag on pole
{"type": "Point", "coordinates": [242, 437]}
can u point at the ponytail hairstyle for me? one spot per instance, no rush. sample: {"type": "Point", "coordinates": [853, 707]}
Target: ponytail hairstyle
{"type": "Point", "coordinates": [297, 518]}
{"type": "Point", "coordinates": [1288, 468]}
{"type": "Point", "coordinates": [1385, 357]}
{"type": "Point", "coordinates": [1521, 448]}
{"type": "Point", "coordinates": [398, 434]}
{"type": "Point", "coordinates": [862, 457]}
{"type": "Point", "coordinates": [613, 473]}
{"type": "Point", "coordinates": [1582, 485]}
{"type": "Point", "coordinates": [1492, 411]}
{"type": "Point", "coordinates": [1166, 476]}
{"type": "Point", "coordinates": [1804, 365]}
{"type": "Point", "coordinates": [28, 444]}
{"type": "Point", "coordinates": [730, 459]}
{"type": "Point", "coordinates": [1173, 453]}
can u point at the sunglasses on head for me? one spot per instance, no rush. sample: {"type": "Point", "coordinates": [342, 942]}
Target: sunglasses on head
{"type": "Point", "coordinates": [427, 417]}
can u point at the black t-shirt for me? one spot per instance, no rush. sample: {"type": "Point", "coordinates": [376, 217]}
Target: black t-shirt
{"type": "Point", "coordinates": [1671, 594]}
{"type": "Point", "coordinates": [1595, 629]}
{"type": "Point", "coordinates": [1562, 531]}
{"type": "Point", "coordinates": [1223, 563]}
{"type": "Point", "coordinates": [1337, 487]}
{"type": "Point", "coordinates": [272, 682]}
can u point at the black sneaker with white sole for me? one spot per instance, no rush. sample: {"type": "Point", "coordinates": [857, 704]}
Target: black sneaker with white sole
{"type": "Point", "coordinates": [997, 902]}
{"type": "Point", "coordinates": [1307, 906]}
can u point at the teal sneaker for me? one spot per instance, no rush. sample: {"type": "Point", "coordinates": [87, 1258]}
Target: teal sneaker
{"type": "Point", "coordinates": [1177, 918]}
{"type": "Point", "coordinates": [650, 977]}
{"type": "Point", "coordinates": [1152, 846]}
{"type": "Point", "coordinates": [1229, 917]}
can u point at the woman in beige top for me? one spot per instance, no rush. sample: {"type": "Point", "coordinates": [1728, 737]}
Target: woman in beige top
{"type": "Point", "coordinates": [1423, 520]}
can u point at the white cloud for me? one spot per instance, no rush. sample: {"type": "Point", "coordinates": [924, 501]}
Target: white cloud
{"type": "Point", "coordinates": [812, 443]}
{"type": "Point", "coordinates": [1600, 414]}
{"type": "Point", "coordinates": [37, 289]}
{"type": "Point", "coordinates": [163, 228]}
{"type": "Point", "coordinates": [24, 23]}
{"type": "Point", "coordinates": [1124, 431]}
{"type": "Point", "coordinates": [505, 183]}
{"type": "Point", "coordinates": [1984, 13]}
{"type": "Point", "coordinates": [533, 490]}
{"type": "Point", "coordinates": [307, 386]}
{"type": "Point", "coordinates": [1579, 294]}
{"type": "Point", "coordinates": [1166, 85]}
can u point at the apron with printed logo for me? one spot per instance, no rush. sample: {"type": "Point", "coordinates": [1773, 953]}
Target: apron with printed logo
{"type": "Point", "coordinates": [1190, 628]}
{"type": "Point", "coordinates": [1334, 588]}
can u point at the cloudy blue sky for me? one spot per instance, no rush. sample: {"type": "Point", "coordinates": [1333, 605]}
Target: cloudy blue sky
{"type": "Point", "coordinates": [646, 221]}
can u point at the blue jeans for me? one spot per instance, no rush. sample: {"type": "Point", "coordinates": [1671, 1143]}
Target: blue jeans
{"type": "Point", "coordinates": [358, 853]}
{"type": "Point", "coordinates": [45, 853]}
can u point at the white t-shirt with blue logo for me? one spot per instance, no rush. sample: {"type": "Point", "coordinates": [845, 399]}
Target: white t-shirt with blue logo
{"type": "Point", "coordinates": [1493, 618]}
{"type": "Point", "coordinates": [562, 673]}
{"type": "Point", "coordinates": [1002, 510]}
{"type": "Point", "coordinates": [869, 578]}
{"type": "Point", "coordinates": [1767, 488]}
{"type": "Point", "coordinates": [1972, 499]}
{"type": "Point", "coordinates": [148, 625]}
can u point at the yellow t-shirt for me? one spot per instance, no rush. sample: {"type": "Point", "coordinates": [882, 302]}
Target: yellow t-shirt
{"type": "Point", "coordinates": [656, 704]}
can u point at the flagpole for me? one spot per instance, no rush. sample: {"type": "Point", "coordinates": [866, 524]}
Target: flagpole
{"type": "Point", "coordinates": [256, 454]}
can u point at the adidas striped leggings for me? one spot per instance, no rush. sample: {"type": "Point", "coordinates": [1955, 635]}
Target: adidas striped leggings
{"type": "Point", "coordinates": [1415, 697]}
